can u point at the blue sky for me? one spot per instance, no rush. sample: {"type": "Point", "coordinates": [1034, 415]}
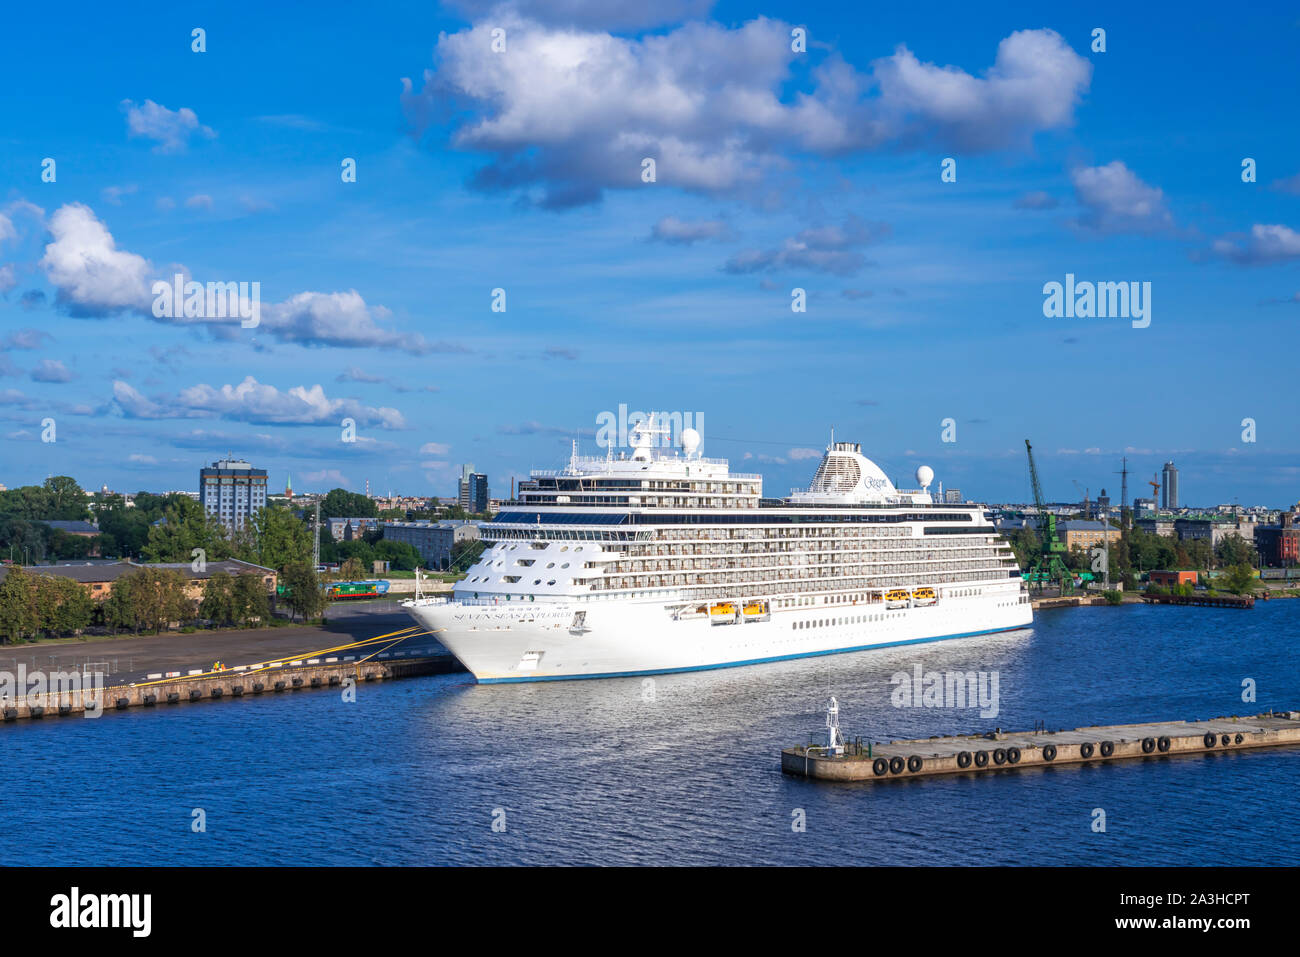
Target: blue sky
{"type": "Point", "coordinates": [520, 170]}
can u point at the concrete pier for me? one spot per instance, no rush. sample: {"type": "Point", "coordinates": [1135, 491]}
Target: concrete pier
{"type": "Point", "coordinates": [239, 682]}
{"type": "Point", "coordinates": [974, 754]}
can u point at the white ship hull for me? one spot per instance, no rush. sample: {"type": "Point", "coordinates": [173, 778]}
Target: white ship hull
{"type": "Point", "coordinates": [538, 641]}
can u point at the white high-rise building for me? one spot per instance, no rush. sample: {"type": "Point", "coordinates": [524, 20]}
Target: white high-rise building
{"type": "Point", "coordinates": [232, 490]}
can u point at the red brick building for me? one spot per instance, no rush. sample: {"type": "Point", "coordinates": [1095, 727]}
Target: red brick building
{"type": "Point", "coordinates": [1279, 545]}
{"type": "Point", "coordinates": [1174, 579]}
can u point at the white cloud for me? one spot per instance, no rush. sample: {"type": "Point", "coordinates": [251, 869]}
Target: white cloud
{"type": "Point", "coordinates": [252, 401]}
{"type": "Point", "coordinates": [7, 230]}
{"type": "Point", "coordinates": [683, 232]}
{"type": "Point", "coordinates": [7, 278]}
{"type": "Point", "coordinates": [798, 455]}
{"type": "Point", "coordinates": [170, 129]}
{"type": "Point", "coordinates": [591, 14]}
{"type": "Point", "coordinates": [114, 194]}
{"type": "Point", "coordinates": [830, 249]}
{"type": "Point", "coordinates": [93, 276]}
{"type": "Point", "coordinates": [1037, 199]}
{"type": "Point", "coordinates": [337, 319]}
{"type": "Point", "coordinates": [51, 370]}
{"type": "Point", "coordinates": [1116, 201]}
{"type": "Point", "coordinates": [574, 111]}
{"type": "Point", "coordinates": [1266, 244]}
{"type": "Point", "coordinates": [327, 477]}
{"type": "Point", "coordinates": [434, 448]}
{"type": "Point", "coordinates": [199, 201]}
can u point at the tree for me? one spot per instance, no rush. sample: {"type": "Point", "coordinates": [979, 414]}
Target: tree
{"type": "Point", "coordinates": [24, 540]}
{"type": "Point", "coordinates": [185, 526]}
{"type": "Point", "coordinates": [401, 556]}
{"type": "Point", "coordinates": [65, 499]}
{"type": "Point", "coordinates": [147, 600]}
{"type": "Point", "coordinates": [1025, 545]}
{"type": "Point", "coordinates": [340, 503]}
{"type": "Point", "coordinates": [1239, 579]}
{"type": "Point", "coordinates": [1234, 550]}
{"type": "Point", "coordinates": [466, 552]}
{"type": "Point", "coordinates": [281, 538]}
{"type": "Point", "coordinates": [250, 599]}
{"type": "Point", "coordinates": [218, 602]}
{"type": "Point", "coordinates": [19, 611]}
{"type": "Point", "coordinates": [351, 570]}
{"type": "Point", "coordinates": [302, 590]}
{"type": "Point", "coordinates": [64, 606]}
{"type": "Point", "coordinates": [124, 531]}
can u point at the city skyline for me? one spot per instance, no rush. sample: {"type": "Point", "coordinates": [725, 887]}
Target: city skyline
{"type": "Point", "coordinates": [776, 170]}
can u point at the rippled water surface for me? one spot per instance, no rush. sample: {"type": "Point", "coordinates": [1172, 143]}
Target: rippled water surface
{"type": "Point", "coordinates": [604, 772]}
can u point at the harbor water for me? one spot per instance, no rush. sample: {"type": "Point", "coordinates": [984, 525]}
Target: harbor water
{"type": "Point", "coordinates": [684, 769]}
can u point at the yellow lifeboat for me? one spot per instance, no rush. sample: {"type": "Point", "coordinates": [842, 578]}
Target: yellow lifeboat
{"type": "Point", "coordinates": [722, 608]}
{"type": "Point", "coordinates": [897, 598]}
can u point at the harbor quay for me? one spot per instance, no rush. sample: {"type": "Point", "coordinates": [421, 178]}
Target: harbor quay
{"type": "Point", "coordinates": [89, 678]}
{"type": "Point", "coordinates": [997, 751]}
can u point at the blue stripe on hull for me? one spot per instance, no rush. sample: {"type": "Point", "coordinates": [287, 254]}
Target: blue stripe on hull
{"type": "Point", "coordinates": [752, 661]}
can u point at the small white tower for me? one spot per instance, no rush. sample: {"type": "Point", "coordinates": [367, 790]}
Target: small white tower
{"type": "Point", "coordinates": [834, 740]}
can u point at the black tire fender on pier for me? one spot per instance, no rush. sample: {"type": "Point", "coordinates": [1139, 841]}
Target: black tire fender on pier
{"type": "Point", "coordinates": [981, 758]}
{"type": "Point", "coordinates": [879, 766]}
{"type": "Point", "coordinates": [963, 759]}
{"type": "Point", "coordinates": [1239, 739]}
{"type": "Point", "coordinates": [1049, 752]}
{"type": "Point", "coordinates": [1210, 739]}
{"type": "Point", "coordinates": [896, 765]}
{"type": "Point", "coordinates": [1148, 745]}
{"type": "Point", "coordinates": [1164, 743]}
{"type": "Point", "coordinates": [1225, 740]}
{"type": "Point", "coordinates": [1013, 755]}
{"type": "Point", "coordinates": [1107, 748]}
{"type": "Point", "coordinates": [1086, 749]}
{"type": "Point", "coordinates": [914, 764]}
{"type": "Point", "coordinates": [1000, 756]}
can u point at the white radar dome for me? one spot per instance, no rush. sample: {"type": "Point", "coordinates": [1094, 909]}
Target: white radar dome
{"type": "Point", "coordinates": [924, 476]}
{"type": "Point", "coordinates": [690, 440]}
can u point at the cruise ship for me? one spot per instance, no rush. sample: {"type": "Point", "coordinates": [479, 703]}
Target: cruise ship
{"type": "Point", "coordinates": [659, 560]}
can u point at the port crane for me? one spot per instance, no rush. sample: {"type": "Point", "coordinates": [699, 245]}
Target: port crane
{"type": "Point", "coordinates": [1049, 565]}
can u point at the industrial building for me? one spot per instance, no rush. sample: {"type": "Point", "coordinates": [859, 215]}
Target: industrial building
{"type": "Point", "coordinates": [433, 540]}
{"type": "Point", "coordinates": [99, 576]}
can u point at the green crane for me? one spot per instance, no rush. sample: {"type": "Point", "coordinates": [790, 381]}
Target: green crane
{"type": "Point", "coordinates": [1048, 566]}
